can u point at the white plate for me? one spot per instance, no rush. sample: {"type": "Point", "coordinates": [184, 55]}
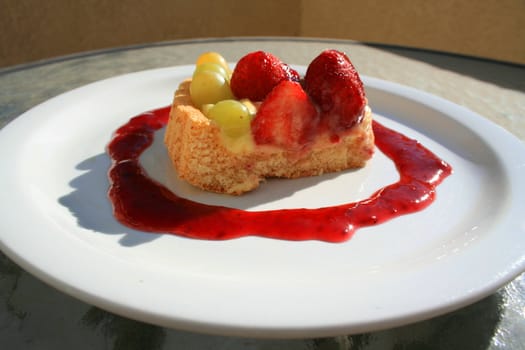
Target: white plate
{"type": "Point", "coordinates": [57, 223]}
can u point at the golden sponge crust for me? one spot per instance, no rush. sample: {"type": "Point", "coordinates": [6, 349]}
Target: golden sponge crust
{"type": "Point", "coordinates": [200, 157]}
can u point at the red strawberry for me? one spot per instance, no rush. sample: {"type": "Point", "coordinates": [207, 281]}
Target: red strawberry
{"type": "Point", "coordinates": [257, 73]}
{"type": "Point", "coordinates": [286, 118]}
{"type": "Point", "coordinates": [334, 85]}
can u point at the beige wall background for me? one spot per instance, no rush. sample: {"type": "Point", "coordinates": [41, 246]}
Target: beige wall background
{"type": "Point", "coordinates": [32, 30]}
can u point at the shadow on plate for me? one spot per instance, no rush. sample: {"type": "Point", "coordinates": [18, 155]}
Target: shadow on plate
{"type": "Point", "coordinates": [90, 205]}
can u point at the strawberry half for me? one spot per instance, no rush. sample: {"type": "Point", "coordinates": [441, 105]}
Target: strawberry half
{"type": "Point", "coordinates": [335, 86]}
{"type": "Point", "coordinates": [257, 73]}
{"type": "Point", "coordinates": [286, 118]}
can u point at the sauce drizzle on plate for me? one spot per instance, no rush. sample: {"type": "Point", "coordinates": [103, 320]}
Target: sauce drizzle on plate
{"type": "Point", "coordinates": [143, 204]}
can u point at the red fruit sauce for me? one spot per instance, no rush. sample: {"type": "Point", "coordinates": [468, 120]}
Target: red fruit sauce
{"type": "Point", "coordinates": [143, 204]}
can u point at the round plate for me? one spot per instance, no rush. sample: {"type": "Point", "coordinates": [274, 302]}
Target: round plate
{"type": "Point", "coordinates": [57, 223]}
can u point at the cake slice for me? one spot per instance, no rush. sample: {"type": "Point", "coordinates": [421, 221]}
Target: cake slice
{"type": "Point", "coordinates": [292, 131]}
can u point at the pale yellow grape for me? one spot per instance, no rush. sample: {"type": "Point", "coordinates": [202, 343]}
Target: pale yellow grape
{"type": "Point", "coordinates": [212, 67]}
{"type": "Point", "coordinates": [205, 109]}
{"type": "Point", "coordinates": [232, 116]}
{"type": "Point", "coordinates": [209, 87]}
{"type": "Point", "coordinates": [251, 107]}
{"type": "Point", "coordinates": [213, 57]}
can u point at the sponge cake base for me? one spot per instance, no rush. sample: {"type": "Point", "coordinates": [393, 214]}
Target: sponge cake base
{"type": "Point", "coordinates": [200, 156]}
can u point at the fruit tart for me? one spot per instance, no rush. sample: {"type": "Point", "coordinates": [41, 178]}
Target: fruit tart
{"type": "Point", "coordinates": [230, 130]}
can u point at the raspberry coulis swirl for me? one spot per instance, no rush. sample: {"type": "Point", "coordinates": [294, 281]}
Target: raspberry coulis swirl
{"type": "Point", "coordinates": [142, 203]}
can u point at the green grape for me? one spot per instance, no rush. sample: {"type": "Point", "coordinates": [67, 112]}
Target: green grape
{"type": "Point", "coordinates": [213, 57]}
{"type": "Point", "coordinates": [232, 116]}
{"type": "Point", "coordinates": [211, 67]}
{"type": "Point", "coordinates": [209, 87]}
